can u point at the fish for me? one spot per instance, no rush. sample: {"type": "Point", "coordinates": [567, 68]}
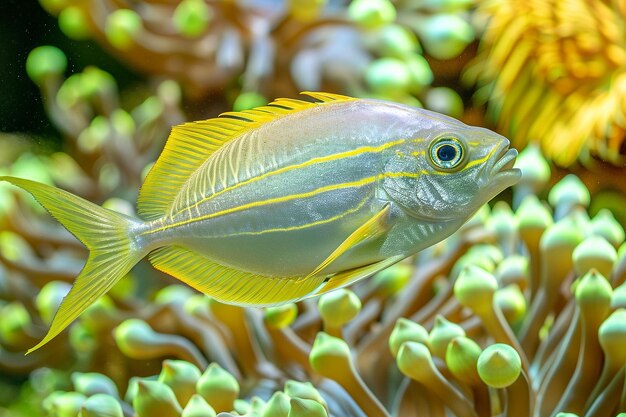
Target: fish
{"type": "Point", "coordinates": [287, 201]}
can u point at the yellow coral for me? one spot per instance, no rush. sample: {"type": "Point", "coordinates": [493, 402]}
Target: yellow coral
{"type": "Point", "coordinates": [556, 71]}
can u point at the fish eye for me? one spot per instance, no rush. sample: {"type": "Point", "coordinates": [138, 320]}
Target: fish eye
{"type": "Point", "coordinates": [447, 153]}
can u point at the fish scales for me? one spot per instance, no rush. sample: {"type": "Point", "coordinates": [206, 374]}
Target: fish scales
{"type": "Point", "coordinates": [287, 201]}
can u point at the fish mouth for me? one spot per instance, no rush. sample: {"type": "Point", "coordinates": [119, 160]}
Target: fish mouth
{"type": "Point", "coordinates": [503, 168]}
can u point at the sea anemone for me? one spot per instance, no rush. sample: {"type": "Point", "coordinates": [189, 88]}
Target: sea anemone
{"type": "Point", "coordinates": [554, 73]}
{"type": "Point", "coordinates": [519, 313]}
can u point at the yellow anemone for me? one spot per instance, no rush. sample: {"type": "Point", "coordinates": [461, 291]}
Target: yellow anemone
{"type": "Point", "coordinates": [555, 72]}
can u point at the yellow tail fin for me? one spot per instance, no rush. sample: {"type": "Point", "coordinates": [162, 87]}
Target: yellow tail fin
{"type": "Point", "coordinates": [106, 235]}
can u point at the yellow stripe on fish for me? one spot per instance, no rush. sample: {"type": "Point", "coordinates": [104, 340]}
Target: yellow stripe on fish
{"type": "Point", "coordinates": [287, 201]}
{"type": "Point", "coordinates": [303, 226]}
{"type": "Point", "coordinates": [312, 161]}
{"type": "Point", "coordinates": [359, 183]}
{"type": "Point", "coordinates": [256, 204]}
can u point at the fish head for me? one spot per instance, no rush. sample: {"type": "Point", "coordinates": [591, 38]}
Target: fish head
{"type": "Point", "coordinates": [448, 171]}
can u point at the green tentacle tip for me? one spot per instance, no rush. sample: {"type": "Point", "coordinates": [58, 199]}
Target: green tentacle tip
{"type": "Point", "coordinates": [511, 301]}
{"type": "Point", "coordinates": [191, 18]}
{"type": "Point", "coordinates": [15, 321]}
{"type": "Point", "coordinates": [593, 292]}
{"type": "Point", "coordinates": [198, 407]}
{"type": "Point", "coordinates": [372, 14]}
{"type": "Point", "coordinates": [174, 294]}
{"type": "Point", "coordinates": [445, 36]}
{"type": "Point", "coordinates": [136, 339]}
{"type": "Point", "coordinates": [561, 236]}
{"type": "Point", "coordinates": [535, 167]}
{"type": "Point", "coordinates": [612, 336]}
{"type": "Point", "coordinates": [532, 214]}
{"type": "Point", "coordinates": [569, 191]}
{"type": "Point", "coordinates": [95, 136]}
{"type": "Point", "coordinates": [445, 100]}
{"type": "Point", "coordinates": [398, 42]}
{"type": "Point", "coordinates": [277, 406]}
{"type": "Point", "coordinates": [63, 404]}
{"type": "Point", "coordinates": [181, 377]}
{"type": "Point", "coordinates": [618, 299]}
{"type": "Point", "coordinates": [256, 404]}
{"type": "Point", "coordinates": [502, 220]}
{"type": "Point", "coordinates": [122, 27]}
{"type": "Point", "coordinates": [240, 407]}
{"type": "Point", "coordinates": [95, 81]}
{"type": "Point", "coordinates": [406, 331]}
{"type": "Point", "coordinates": [594, 252]}
{"type": "Point", "coordinates": [45, 61]}
{"type": "Point", "coordinates": [491, 253]}
{"type": "Point", "coordinates": [391, 280]}
{"type": "Point", "coordinates": [330, 356]}
{"type": "Point", "coordinates": [475, 288]}
{"type": "Point", "coordinates": [442, 333]}
{"type": "Point", "coordinates": [154, 398]}
{"type": "Point", "coordinates": [91, 383]}
{"type": "Point", "coordinates": [281, 316]}
{"type": "Point", "coordinates": [499, 365]}
{"type": "Point", "coordinates": [513, 270]}
{"type": "Point", "coordinates": [71, 92]}
{"type": "Point", "coordinates": [461, 358]}
{"type": "Point", "coordinates": [301, 407]}
{"type": "Point", "coordinates": [49, 299]}
{"type": "Point", "coordinates": [479, 260]}
{"type": "Point", "coordinates": [415, 361]}
{"type": "Point", "coordinates": [101, 405]}
{"type": "Point", "coordinates": [218, 387]}
{"type": "Point", "coordinates": [74, 23]}
{"type": "Point", "coordinates": [249, 100]}
{"type": "Point", "coordinates": [606, 225]}
{"type": "Point", "coordinates": [339, 307]}
{"type": "Point", "coordinates": [304, 390]}
{"type": "Point", "coordinates": [82, 338]}
{"type": "Point", "coordinates": [388, 76]}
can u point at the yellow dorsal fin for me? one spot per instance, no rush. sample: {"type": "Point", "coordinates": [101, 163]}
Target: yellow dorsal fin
{"type": "Point", "coordinates": [190, 144]}
{"type": "Point", "coordinates": [371, 229]}
{"type": "Point", "coordinates": [229, 285]}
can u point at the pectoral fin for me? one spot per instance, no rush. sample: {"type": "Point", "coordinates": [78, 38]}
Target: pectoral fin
{"type": "Point", "coordinates": [346, 278]}
{"type": "Point", "coordinates": [373, 228]}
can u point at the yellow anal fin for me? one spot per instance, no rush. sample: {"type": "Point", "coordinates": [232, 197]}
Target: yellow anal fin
{"type": "Point", "coordinates": [371, 229]}
{"type": "Point", "coordinates": [230, 285]}
{"type": "Point", "coordinates": [343, 279]}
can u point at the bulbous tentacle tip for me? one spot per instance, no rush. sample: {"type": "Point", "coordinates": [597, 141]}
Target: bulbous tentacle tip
{"type": "Point", "coordinates": [499, 365]}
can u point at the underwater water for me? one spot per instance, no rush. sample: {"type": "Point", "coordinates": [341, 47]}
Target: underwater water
{"type": "Point", "coordinates": [520, 312]}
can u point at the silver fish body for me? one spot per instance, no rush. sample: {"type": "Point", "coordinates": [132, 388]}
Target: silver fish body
{"type": "Point", "coordinates": [287, 201]}
{"type": "Point", "coordinates": [280, 198]}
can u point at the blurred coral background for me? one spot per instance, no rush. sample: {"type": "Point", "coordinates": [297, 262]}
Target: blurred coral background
{"type": "Point", "coordinates": [519, 313]}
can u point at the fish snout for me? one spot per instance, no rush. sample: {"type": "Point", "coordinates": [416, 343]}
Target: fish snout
{"type": "Point", "coordinates": [503, 170]}
{"type": "Point", "coordinates": [500, 169]}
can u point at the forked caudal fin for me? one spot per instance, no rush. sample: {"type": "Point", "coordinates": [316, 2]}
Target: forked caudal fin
{"type": "Point", "coordinates": [106, 235]}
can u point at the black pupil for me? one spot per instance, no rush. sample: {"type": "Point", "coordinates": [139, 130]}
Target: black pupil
{"type": "Point", "coordinates": [446, 153]}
